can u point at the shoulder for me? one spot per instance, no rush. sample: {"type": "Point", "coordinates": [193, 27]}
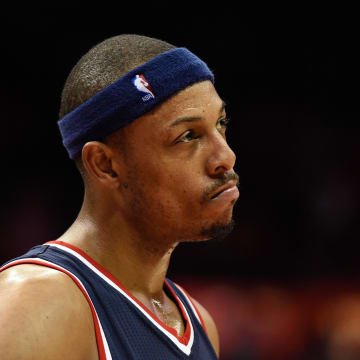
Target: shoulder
{"type": "Point", "coordinates": [43, 315]}
{"type": "Point", "coordinates": [210, 326]}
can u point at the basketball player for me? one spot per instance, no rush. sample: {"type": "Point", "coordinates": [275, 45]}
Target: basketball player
{"type": "Point", "coordinates": [146, 128]}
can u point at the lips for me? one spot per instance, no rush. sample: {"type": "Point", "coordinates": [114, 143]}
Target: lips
{"type": "Point", "coordinates": [223, 188]}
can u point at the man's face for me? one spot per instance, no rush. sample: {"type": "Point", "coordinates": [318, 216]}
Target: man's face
{"type": "Point", "coordinates": [176, 160]}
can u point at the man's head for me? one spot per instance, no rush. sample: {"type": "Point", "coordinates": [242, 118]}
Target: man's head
{"type": "Point", "coordinates": [103, 65]}
{"type": "Point", "coordinates": [161, 172]}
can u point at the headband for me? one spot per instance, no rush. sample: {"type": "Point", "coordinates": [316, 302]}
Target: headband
{"type": "Point", "coordinates": [129, 97]}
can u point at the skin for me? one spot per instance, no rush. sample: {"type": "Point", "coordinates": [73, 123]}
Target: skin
{"type": "Point", "coordinates": [141, 199]}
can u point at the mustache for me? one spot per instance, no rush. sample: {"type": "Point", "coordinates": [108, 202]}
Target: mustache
{"type": "Point", "coordinates": [220, 182]}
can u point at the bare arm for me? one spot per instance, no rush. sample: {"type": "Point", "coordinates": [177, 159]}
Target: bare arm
{"type": "Point", "coordinates": [210, 327]}
{"type": "Point", "coordinates": [43, 316]}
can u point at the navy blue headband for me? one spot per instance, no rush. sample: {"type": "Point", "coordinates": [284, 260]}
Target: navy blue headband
{"type": "Point", "coordinates": [129, 97]}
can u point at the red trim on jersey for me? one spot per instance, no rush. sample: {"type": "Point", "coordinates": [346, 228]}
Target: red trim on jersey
{"type": "Point", "coordinates": [186, 336]}
{"type": "Point", "coordinates": [195, 307]}
{"type": "Point", "coordinates": [99, 341]}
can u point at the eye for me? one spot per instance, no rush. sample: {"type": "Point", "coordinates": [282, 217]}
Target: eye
{"type": "Point", "coordinates": [187, 137]}
{"type": "Point", "coordinates": [223, 123]}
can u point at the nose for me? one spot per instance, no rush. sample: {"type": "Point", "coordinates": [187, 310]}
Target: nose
{"type": "Point", "coordinates": [221, 158]}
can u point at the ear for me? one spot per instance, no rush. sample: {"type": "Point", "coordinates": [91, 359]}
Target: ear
{"type": "Point", "coordinates": [98, 160]}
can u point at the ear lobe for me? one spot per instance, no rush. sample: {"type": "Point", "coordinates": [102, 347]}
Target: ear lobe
{"type": "Point", "coordinates": [97, 158]}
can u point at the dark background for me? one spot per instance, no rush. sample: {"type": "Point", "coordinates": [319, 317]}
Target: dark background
{"type": "Point", "coordinates": [284, 285]}
{"type": "Point", "coordinates": [291, 84]}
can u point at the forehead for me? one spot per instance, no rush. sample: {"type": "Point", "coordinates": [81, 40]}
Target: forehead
{"type": "Point", "coordinates": [196, 99]}
{"type": "Point", "coordinates": [199, 100]}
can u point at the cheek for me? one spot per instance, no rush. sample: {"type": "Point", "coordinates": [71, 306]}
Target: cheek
{"type": "Point", "coordinates": [168, 192]}
{"type": "Point", "coordinates": [186, 194]}
{"type": "Point", "coordinates": [173, 185]}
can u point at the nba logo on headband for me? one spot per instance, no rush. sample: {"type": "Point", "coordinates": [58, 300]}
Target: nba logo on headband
{"type": "Point", "coordinates": [142, 85]}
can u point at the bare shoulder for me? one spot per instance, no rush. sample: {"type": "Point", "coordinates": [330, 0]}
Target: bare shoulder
{"type": "Point", "coordinates": [43, 315]}
{"type": "Point", "coordinates": [210, 326]}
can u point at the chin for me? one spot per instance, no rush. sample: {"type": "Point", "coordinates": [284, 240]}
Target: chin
{"type": "Point", "coordinates": [214, 227]}
{"type": "Point", "coordinates": [217, 231]}
{"type": "Point", "coordinates": [211, 232]}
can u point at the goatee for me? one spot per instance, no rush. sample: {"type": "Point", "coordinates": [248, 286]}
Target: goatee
{"type": "Point", "coordinates": [218, 232]}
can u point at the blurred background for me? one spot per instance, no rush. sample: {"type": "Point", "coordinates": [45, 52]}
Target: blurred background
{"type": "Point", "coordinates": [285, 284]}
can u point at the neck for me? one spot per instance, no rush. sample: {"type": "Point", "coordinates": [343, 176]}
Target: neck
{"type": "Point", "coordinates": [138, 262]}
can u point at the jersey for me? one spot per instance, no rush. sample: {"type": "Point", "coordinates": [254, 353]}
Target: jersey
{"type": "Point", "coordinates": [124, 327]}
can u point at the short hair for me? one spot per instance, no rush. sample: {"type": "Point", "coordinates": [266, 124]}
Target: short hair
{"type": "Point", "coordinates": [104, 64]}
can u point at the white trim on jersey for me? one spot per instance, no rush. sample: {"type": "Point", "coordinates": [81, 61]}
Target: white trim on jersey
{"type": "Point", "coordinates": [189, 302]}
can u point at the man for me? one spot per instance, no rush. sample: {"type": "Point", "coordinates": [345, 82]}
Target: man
{"type": "Point", "coordinates": [146, 128]}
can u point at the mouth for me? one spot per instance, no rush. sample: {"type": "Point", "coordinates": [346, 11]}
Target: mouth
{"type": "Point", "coordinates": [221, 189]}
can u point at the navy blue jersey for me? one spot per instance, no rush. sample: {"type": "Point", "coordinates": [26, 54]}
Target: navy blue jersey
{"type": "Point", "coordinates": [124, 327]}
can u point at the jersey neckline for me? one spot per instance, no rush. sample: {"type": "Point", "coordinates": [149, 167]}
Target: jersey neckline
{"type": "Point", "coordinates": [188, 332]}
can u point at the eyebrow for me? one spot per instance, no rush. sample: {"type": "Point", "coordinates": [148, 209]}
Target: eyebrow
{"type": "Point", "coordinates": [193, 118]}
